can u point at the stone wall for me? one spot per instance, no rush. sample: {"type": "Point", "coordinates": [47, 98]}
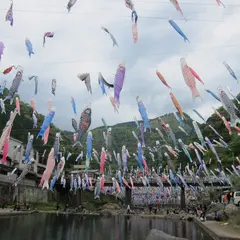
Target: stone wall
{"type": "Point", "coordinates": [25, 191]}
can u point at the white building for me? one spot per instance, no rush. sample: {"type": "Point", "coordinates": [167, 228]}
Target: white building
{"type": "Point", "coordinates": [18, 160]}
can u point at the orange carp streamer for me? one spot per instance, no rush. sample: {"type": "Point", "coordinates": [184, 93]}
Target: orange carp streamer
{"type": "Point", "coordinates": [177, 105]}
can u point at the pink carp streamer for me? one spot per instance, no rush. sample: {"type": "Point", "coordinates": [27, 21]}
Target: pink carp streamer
{"type": "Point", "coordinates": [49, 169]}
{"type": "Point", "coordinates": [135, 32]}
{"type": "Point", "coordinates": [49, 105]}
{"type": "Point", "coordinates": [196, 75]}
{"type": "Point", "coordinates": [178, 8]}
{"type": "Point", "coordinates": [74, 137]}
{"type": "Point", "coordinates": [131, 181]}
{"type": "Point", "coordinates": [18, 105]}
{"type": "Point", "coordinates": [160, 76]}
{"type": "Point", "coordinates": [227, 125]}
{"type": "Point", "coordinates": [219, 2]}
{"type": "Point", "coordinates": [33, 105]}
{"type": "Point", "coordinates": [125, 182]}
{"type": "Point", "coordinates": [46, 134]}
{"type": "Point", "coordinates": [145, 164]}
{"type": "Point", "coordinates": [6, 148]}
{"type": "Point", "coordinates": [118, 187]}
{"type": "Point", "coordinates": [189, 78]}
{"type": "Point", "coordinates": [113, 104]}
{"type": "Point", "coordinates": [102, 160]}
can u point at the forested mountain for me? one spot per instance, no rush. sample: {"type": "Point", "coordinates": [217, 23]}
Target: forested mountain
{"type": "Point", "coordinates": [122, 135]}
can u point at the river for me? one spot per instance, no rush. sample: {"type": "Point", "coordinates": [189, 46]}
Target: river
{"type": "Point", "coordinates": [76, 227]}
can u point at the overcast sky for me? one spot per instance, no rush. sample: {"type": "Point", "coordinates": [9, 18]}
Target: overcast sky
{"type": "Point", "coordinates": [80, 46]}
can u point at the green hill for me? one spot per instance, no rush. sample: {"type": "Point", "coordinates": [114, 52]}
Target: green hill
{"type": "Point", "coordinates": [122, 135]}
{"type": "Point", "coordinates": [24, 124]}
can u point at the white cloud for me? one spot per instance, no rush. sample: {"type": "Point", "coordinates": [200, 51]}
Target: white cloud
{"type": "Point", "coordinates": [79, 45]}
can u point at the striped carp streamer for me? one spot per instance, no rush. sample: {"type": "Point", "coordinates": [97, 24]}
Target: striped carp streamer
{"type": "Point", "coordinates": [15, 85]}
{"type": "Point", "coordinates": [189, 78]}
{"type": "Point", "coordinates": [177, 105]}
{"type": "Point", "coordinates": [196, 75]}
{"type": "Point", "coordinates": [229, 107]}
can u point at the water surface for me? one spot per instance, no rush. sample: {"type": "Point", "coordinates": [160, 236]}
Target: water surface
{"type": "Point", "coordinates": [76, 227]}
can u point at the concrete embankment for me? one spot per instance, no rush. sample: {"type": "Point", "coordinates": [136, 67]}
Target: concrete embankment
{"type": "Point", "coordinates": [219, 230]}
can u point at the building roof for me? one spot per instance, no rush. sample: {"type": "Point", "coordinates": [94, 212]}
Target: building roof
{"type": "Point", "coordinates": [16, 140]}
{"type": "Point", "coordinates": [79, 166]}
{"type": "Point", "coordinates": [81, 171]}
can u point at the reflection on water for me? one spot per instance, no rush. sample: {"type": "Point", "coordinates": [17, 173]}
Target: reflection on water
{"type": "Point", "coordinates": [76, 227]}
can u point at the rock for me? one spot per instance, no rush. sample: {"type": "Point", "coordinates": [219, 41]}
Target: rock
{"type": "Point", "coordinates": [105, 212]}
{"type": "Point", "coordinates": [111, 206]}
{"type": "Point", "coordinates": [231, 209]}
{"type": "Point", "coordinates": [214, 207]}
{"type": "Point", "coordinates": [157, 235]}
{"type": "Point", "coordinates": [210, 216]}
{"type": "Point", "coordinates": [190, 219]}
{"type": "Point", "coordinates": [222, 216]}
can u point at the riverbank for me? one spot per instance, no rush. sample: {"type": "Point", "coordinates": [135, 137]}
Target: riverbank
{"type": "Point", "coordinates": [219, 230]}
{"type": "Point", "coordinates": [9, 212]}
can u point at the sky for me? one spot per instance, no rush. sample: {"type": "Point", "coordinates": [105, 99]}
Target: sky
{"type": "Point", "coordinates": [80, 45]}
